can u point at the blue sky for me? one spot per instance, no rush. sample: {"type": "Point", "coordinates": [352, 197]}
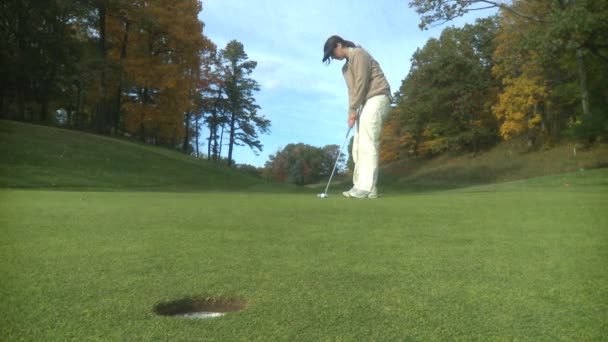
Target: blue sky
{"type": "Point", "coordinates": [305, 100]}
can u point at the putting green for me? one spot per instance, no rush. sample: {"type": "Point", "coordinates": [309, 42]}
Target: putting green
{"type": "Point", "coordinates": [523, 261]}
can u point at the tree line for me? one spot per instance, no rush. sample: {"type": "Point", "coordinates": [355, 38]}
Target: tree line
{"type": "Point", "coordinates": [302, 164]}
{"type": "Point", "coordinates": [537, 70]}
{"type": "Point", "coordinates": [128, 67]}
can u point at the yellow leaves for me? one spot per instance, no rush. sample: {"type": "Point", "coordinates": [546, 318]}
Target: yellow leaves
{"type": "Point", "coordinates": [534, 121]}
{"type": "Point", "coordinates": [521, 69]}
{"type": "Point", "coordinates": [430, 147]}
{"type": "Point", "coordinates": [517, 104]}
{"type": "Point", "coordinates": [511, 128]}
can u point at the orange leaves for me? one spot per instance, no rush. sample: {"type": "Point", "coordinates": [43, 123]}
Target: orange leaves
{"type": "Point", "coordinates": [161, 63]}
{"type": "Point", "coordinates": [390, 143]}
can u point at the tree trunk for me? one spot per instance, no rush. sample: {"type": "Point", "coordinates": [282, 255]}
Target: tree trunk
{"type": "Point", "coordinates": [47, 84]}
{"type": "Point", "coordinates": [231, 140]}
{"type": "Point", "coordinates": [216, 150]}
{"type": "Point", "coordinates": [554, 120]}
{"type": "Point", "coordinates": [221, 144]}
{"type": "Point", "coordinates": [186, 137]}
{"type": "Point", "coordinates": [197, 133]}
{"type": "Point", "coordinates": [118, 101]}
{"type": "Point", "coordinates": [101, 113]}
{"type": "Point", "coordinates": [212, 142]}
{"type": "Point", "coordinates": [115, 122]}
{"type": "Point", "coordinates": [583, 82]}
{"type": "Point", "coordinates": [21, 44]}
{"type": "Point", "coordinates": [77, 114]}
{"type": "Point", "coordinates": [21, 104]}
{"type": "Point", "coordinates": [142, 129]}
{"type": "Point", "coordinates": [3, 112]}
{"type": "Point", "coordinates": [44, 109]}
{"type": "Point", "coordinates": [209, 143]}
{"type": "Point", "coordinates": [471, 124]}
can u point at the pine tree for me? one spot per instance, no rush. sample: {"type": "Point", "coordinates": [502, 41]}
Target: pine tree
{"type": "Point", "coordinates": [243, 120]}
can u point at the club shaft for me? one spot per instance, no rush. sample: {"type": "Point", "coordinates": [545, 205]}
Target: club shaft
{"type": "Point", "coordinates": [337, 159]}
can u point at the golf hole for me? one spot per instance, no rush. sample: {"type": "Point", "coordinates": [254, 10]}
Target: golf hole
{"type": "Point", "coordinates": [199, 307]}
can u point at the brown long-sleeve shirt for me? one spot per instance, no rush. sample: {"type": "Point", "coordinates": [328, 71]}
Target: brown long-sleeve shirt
{"type": "Point", "coordinates": [364, 78]}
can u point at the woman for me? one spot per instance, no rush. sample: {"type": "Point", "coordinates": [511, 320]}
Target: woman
{"type": "Point", "coordinates": [368, 104]}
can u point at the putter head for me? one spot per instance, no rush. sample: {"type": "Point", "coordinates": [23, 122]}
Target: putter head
{"type": "Point", "coordinates": [323, 195]}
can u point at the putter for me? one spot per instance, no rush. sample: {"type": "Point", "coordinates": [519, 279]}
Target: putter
{"type": "Point", "coordinates": [324, 194]}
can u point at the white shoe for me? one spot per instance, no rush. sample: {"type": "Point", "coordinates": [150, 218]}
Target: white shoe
{"type": "Point", "coordinates": [373, 193]}
{"type": "Point", "coordinates": [356, 193]}
{"type": "Point", "coordinates": [347, 192]}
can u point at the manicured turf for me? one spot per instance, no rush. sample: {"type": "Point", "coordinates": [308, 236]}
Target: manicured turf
{"type": "Point", "coordinates": [520, 261]}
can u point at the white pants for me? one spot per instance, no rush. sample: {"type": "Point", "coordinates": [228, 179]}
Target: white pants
{"type": "Point", "coordinates": [366, 142]}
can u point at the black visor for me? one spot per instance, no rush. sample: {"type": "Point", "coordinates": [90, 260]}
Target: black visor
{"type": "Point", "coordinates": [330, 45]}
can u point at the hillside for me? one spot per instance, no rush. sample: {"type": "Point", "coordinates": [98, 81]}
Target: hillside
{"type": "Point", "coordinates": [44, 157]}
{"type": "Point", "coordinates": [508, 161]}
{"type": "Point", "coordinates": [34, 156]}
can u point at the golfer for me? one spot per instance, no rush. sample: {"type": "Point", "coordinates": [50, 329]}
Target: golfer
{"type": "Point", "coordinates": [368, 105]}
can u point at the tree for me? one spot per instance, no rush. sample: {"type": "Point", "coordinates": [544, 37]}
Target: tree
{"type": "Point", "coordinates": [567, 36]}
{"type": "Point", "coordinates": [132, 66]}
{"type": "Point", "coordinates": [547, 64]}
{"type": "Point", "coordinates": [525, 90]}
{"type": "Point", "coordinates": [244, 122]}
{"type": "Point", "coordinates": [394, 138]}
{"type": "Point", "coordinates": [37, 55]}
{"type": "Point", "coordinates": [444, 102]}
{"type": "Point", "coordinates": [162, 65]}
{"type": "Point", "coordinates": [437, 12]}
{"type": "Point", "coordinates": [202, 80]}
{"type": "Point", "coordinates": [213, 101]}
{"type": "Point", "coordinates": [519, 107]}
{"type": "Point", "coordinates": [303, 164]}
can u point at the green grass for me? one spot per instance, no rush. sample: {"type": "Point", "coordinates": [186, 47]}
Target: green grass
{"type": "Point", "coordinates": [524, 260]}
{"type": "Point", "coordinates": [492, 265]}
{"type": "Point", "coordinates": [42, 157]}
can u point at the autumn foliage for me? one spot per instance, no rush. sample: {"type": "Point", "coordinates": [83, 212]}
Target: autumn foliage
{"type": "Point", "coordinates": [537, 70]}
{"type": "Point", "coordinates": [303, 164]}
{"type": "Point", "coordinates": [136, 68]}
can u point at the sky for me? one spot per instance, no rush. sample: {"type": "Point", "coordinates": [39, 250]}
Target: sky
{"type": "Point", "coordinates": [305, 100]}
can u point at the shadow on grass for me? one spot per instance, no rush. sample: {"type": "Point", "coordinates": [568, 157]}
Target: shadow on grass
{"type": "Point", "coordinates": [444, 178]}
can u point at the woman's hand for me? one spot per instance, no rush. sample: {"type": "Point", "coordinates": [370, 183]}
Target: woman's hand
{"type": "Point", "coordinates": [352, 118]}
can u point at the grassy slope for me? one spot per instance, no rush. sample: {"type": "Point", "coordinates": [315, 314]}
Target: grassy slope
{"type": "Point", "coordinates": [505, 162]}
{"type": "Point", "coordinates": [36, 156]}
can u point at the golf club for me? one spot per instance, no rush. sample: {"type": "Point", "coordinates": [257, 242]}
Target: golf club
{"type": "Point", "coordinates": [324, 194]}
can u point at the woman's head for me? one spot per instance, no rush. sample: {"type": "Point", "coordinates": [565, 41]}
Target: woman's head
{"type": "Point", "coordinates": [336, 47]}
